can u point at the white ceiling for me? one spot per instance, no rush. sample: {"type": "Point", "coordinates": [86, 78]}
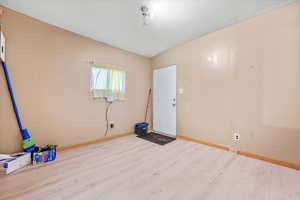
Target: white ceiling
{"type": "Point", "coordinates": [119, 22]}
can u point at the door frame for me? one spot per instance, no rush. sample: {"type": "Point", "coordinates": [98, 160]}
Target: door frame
{"type": "Point", "coordinates": [157, 68]}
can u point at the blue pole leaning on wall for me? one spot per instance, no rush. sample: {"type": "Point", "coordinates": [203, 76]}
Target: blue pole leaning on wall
{"type": "Point", "coordinates": [28, 145]}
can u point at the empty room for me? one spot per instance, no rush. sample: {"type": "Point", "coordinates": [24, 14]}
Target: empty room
{"type": "Point", "coordinates": [150, 99]}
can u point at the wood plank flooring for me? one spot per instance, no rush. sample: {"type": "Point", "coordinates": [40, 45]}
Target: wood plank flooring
{"type": "Point", "coordinates": [134, 169]}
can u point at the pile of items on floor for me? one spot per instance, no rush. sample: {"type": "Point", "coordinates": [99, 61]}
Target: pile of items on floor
{"type": "Point", "coordinates": [32, 154]}
{"type": "Point", "coordinates": [11, 162]}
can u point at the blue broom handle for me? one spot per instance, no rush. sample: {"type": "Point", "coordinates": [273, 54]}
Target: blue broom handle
{"type": "Point", "coordinates": [12, 96]}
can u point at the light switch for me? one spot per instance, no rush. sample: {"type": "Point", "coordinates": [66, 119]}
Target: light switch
{"type": "Point", "coordinates": [180, 91]}
{"type": "Point", "coordinates": [2, 47]}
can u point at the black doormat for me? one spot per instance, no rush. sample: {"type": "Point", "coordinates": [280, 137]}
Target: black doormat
{"type": "Point", "coordinates": [157, 138]}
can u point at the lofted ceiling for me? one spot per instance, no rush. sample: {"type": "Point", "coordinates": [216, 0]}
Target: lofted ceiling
{"type": "Point", "coordinates": [120, 23]}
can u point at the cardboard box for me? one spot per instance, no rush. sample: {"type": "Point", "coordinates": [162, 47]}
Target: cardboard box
{"type": "Point", "coordinates": [12, 162]}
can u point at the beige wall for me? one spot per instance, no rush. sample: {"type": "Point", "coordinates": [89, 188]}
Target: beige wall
{"type": "Point", "coordinates": [50, 76]}
{"type": "Point", "coordinates": [243, 78]}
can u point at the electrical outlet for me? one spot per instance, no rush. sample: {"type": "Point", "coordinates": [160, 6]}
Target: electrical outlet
{"type": "Point", "coordinates": [112, 124]}
{"type": "Point", "coordinates": [236, 137]}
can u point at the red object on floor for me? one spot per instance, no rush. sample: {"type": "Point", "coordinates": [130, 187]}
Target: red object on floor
{"type": "Point", "coordinates": [148, 103]}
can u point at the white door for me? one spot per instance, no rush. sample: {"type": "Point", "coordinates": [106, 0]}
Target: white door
{"type": "Point", "coordinates": [164, 100]}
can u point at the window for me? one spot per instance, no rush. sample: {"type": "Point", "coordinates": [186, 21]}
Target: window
{"type": "Point", "coordinates": [108, 82]}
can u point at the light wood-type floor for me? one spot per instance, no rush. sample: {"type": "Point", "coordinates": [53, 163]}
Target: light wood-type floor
{"type": "Point", "coordinates": [134, 169]}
